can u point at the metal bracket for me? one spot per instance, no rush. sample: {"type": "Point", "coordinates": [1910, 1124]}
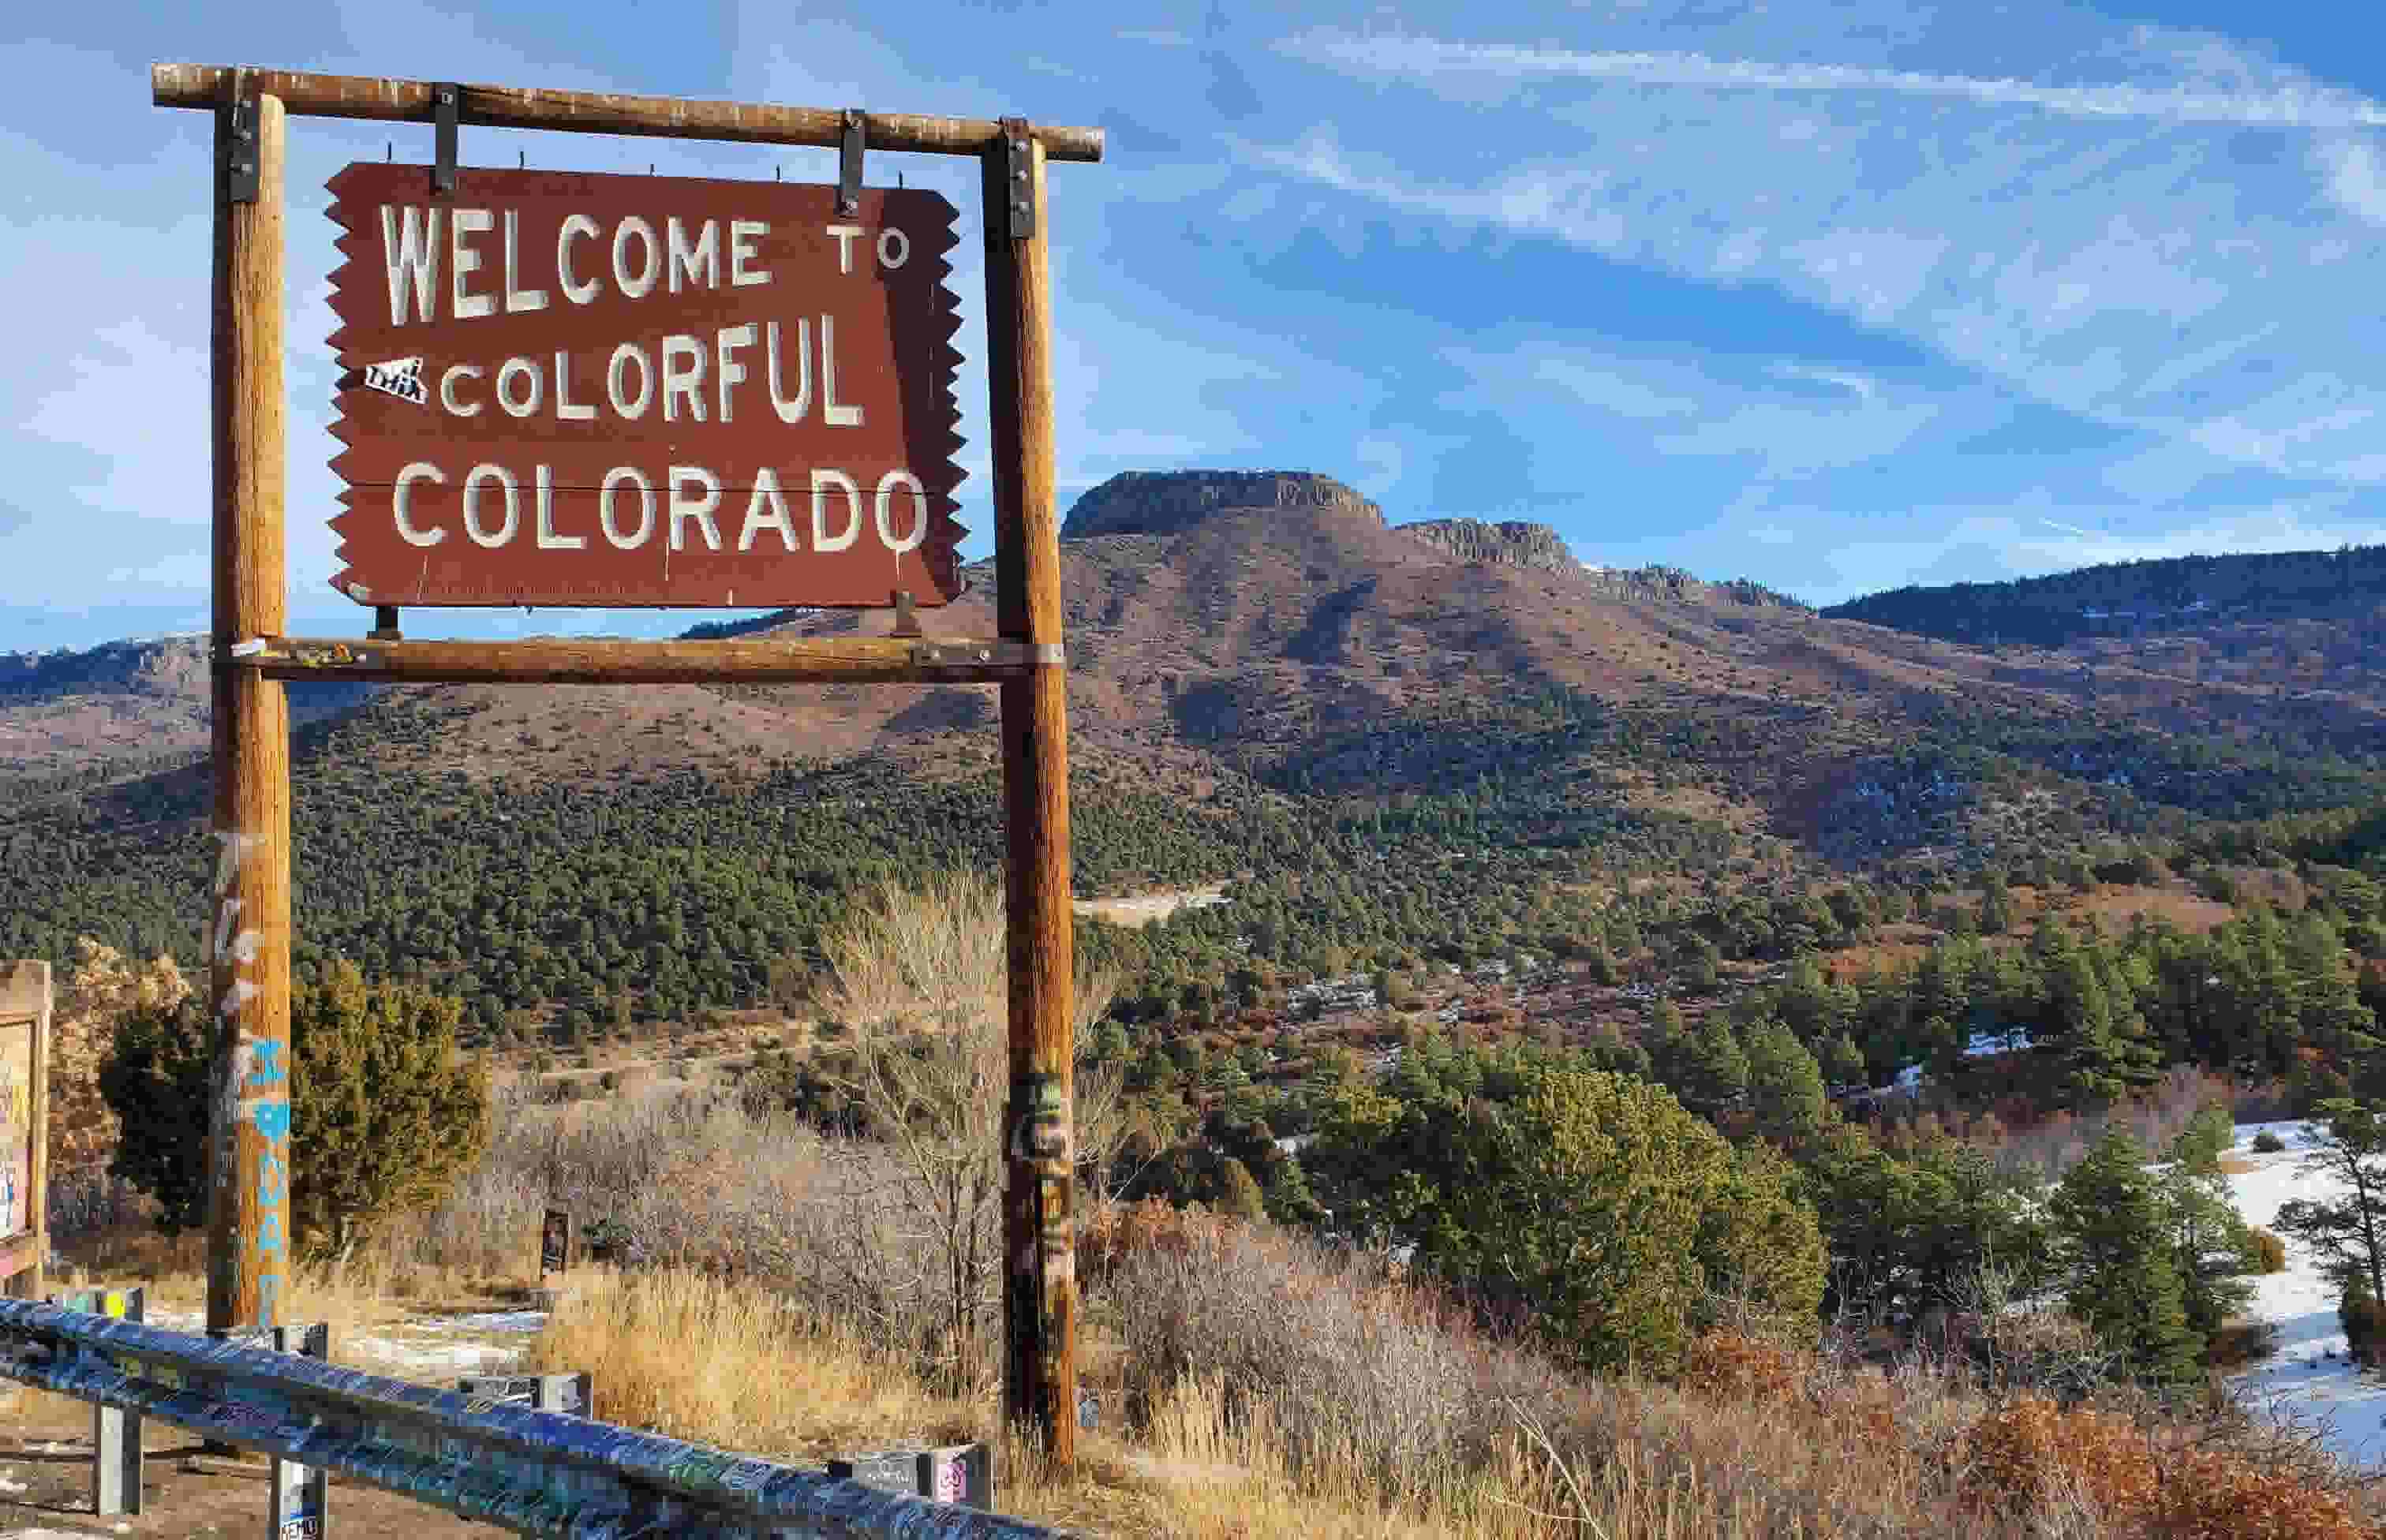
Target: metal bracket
{"type": "Point", "coordinates": [907, 618]}
{"type": "Point", "coordinates": [1019, 179]}
{"type": "Point", "coordinates": [950, 655]}
{"type": "Point", "coordinates": [446, 101]}
{"type": "Point", "coordinates": [241, 157]}
{"type": "Point", "coordinates": [848, 165]}
{"type": "Point", "coordinates": [385, 624]}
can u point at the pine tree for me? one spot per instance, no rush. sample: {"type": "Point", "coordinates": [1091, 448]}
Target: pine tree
{"type": "Point", "coordinates": [2212, 1246]}
{"type": "Point", "coordinates": [1843, 1061]}
{"type": "Point", "coordinates": [1702, 1062]}
{"type": "Point", "coordinates": [2349, 1232]}
{"type": "Point", "coordinates": [385, 1113]}
{"type": "Point", "coordinates": [2112, 1231]}
{"type": "Point", "coordinates": [1785, 1085]}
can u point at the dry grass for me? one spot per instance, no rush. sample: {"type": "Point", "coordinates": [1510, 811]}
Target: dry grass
{"type": "Point", "coordinates": [1253, 1382]}
{"type": "Point", "coordinates": [740, 1363]}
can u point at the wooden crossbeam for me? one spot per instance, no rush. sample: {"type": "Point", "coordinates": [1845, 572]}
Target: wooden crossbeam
{"type": "Point", "coordinates": [554, 660]}
{"type": "Point", "coordinates": [307, 94]}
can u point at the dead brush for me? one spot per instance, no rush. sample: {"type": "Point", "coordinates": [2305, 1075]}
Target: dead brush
{"type": "Point", "coordinates": [2140, 1481]}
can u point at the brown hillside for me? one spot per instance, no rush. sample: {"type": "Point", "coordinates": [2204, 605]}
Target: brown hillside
{"type": "Point", "coordinates": [1216, 611]}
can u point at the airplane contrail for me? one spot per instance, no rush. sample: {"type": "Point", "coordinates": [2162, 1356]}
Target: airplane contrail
{"type": "Point", "coordinates": [2313, 108]}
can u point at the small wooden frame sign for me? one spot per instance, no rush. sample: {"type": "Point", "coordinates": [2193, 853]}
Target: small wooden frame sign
{"type": "Point", "coordinates": [25, 1001]}
{"type": "Point", "coordinates": [554, 1245]}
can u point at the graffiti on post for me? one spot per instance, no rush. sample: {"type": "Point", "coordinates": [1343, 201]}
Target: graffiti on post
{"type": "Point", "coordinates": [1040, 1140]}
{"type": "Point", "coordinates": [254, 1087]}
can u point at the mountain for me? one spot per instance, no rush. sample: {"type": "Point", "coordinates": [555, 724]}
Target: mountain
{"type": "Point", "coordinates": [1255, 621]}
{"type": "Point", "coordinates": [121, 703]}
{"type": "Point", "coordinates": [2172, 595]}
{"type": "Point", "coordinates": [1431, 742]}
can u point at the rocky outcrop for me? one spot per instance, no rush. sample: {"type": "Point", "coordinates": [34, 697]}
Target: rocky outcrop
{"type": "Point", "coordinates": [1510, 543]}
{"type": "Point", "coordinates": [1166, 502]}
{"type": "Point", "coordinates": [1671, 582]}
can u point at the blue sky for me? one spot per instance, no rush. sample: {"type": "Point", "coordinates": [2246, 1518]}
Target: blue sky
{"type": "Point", "coordinates": [1836, 294]}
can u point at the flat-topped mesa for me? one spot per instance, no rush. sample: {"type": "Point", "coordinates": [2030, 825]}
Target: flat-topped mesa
{"type": "Point", "coordinates": [1509, 542]}
{"type": "Point", "coordinates": [1166, 502]}
{"type": "Point", "coordinates": [1671, 582]}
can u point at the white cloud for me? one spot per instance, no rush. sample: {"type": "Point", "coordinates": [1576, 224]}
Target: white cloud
{"type": "Point", "coordinates": [1409, 54]}
{"type": "Point", "coordinates": [2133, 252]}
{"type": "Point", "coordinates": [1769, 414]}
{"type": "Point", "coordinates": [2356, 178]}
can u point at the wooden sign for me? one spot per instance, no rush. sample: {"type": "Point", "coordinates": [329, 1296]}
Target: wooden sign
{"type": "Point", "coordinates": [555, 1243]}
{"type": "Point", "coordinates": [562, 388]}
{"type": "Point", "coordinates": [25, 1003]}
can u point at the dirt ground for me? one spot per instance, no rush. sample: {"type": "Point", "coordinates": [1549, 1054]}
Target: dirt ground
{"type": "Point", "coordinates": [45, 1487]}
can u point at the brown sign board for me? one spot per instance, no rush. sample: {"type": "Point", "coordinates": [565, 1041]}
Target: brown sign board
{"type": "Point", "coordinates": [564, 388]}
{"type": "Point", "coordinates": [555, 1242]}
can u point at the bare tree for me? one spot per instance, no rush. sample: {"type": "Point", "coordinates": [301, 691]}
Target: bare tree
{"type": "Point", "coordinates": [920, 977]}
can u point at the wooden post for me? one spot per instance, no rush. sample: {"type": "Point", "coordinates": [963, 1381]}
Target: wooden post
{"type": "Point", "coordinates": [1039, 1279]}
{"type": "Point", "coordinates": [248, 944]}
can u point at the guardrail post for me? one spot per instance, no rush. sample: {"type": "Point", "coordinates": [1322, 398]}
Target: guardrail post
{"type": "Point", "coordinates": [115, 1433]}
{"type": "Point", "coordinates": [570, 1393]}
{"type": "Point", "coordinates": [302, 1494]}
{"type": "Point", "coordinates": [956, 1473]}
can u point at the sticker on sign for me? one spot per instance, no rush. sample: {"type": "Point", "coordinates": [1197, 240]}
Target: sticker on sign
{"type": "Point", "coordinates": [590, 390]}
{"type": "Point", "coordinates": [399, 377]}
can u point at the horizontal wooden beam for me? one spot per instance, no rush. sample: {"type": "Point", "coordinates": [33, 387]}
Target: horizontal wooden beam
{"type": "Point", "coordinates": [306, 94]}
{"type": "Point", "coordinates": [556, 660]}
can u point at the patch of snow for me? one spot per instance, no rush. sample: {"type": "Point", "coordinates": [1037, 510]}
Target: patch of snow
{"type": "Point", "coordinates": [493, 1320]}
{"type": "Point", "coordinates": [2309, 1379]}
{"type": "Point", "coordinates": [422, 1348]}
{"type": "Point", "coordinates": [1982, 1044]}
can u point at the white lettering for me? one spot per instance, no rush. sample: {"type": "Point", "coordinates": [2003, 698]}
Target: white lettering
{"type": "Point", "coordinates": [447, 390]}
{"type": "Point", "coordinates": [473, 481]}
{"type": "Point", "coordinates": [417, 472]}
{"type": "Point", "coordinates": [822, 481]}
{"type": "Point", "coordinates": [790, 411]}
{"type": "Point", "coordinates": [698, 509]}
{"type": "Point", "coordinates": [910, 483]}
{"type": "Point", "coordinates": [845, 234]}
{"type": "Point", "coordinates": [566, 408]}
{"type": "Point", "coordinates": [614, 478]}
{"type": "Point", "coordinates": [742, 233]}
{"type": "Point", "coordinates": [766, 510]}
{"type": "Point", "coordinates": [893, 248]}
{"type": "Point", "coordinates": [685, 259]}
{"type": "Point", "coordinates": [831, 413]}
{"type": "Point", "coordinates": [639, 287]}
{"type": "Point", "coordinates": [682, 376]}
{"type": "Point", "coordinates": [726, 370]}
{"type": "Point", "coordinates": [519, 368]}
{"type": "Point", "coordinates": [623, 407]}
{"type": "Point", "coordinates": [574, 224]}
{"type": "Point", "coordinates": [520, 299]}
{"type": "Point", "coordinates": [463, 261]}
{"type": "Point", "coordinates": [547, 539]}
{"type": "Point", "coordinates": [409, 248]}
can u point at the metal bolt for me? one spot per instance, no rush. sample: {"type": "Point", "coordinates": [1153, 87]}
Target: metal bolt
{"type": "Point", "coordinates": [1020, 206]}
{"type": "Point", "coordinates": [1019, 175]}
{"type": "Point", "coordinates": [1019, 146]}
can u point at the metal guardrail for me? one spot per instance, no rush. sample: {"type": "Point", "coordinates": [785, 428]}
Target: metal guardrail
{"type": "Point", "coordinates": [533, 1473]}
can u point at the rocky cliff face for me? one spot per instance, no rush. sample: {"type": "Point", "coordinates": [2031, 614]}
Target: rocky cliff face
{"type": "Point", "coordinates": [1510, 543]}
{"type": "Point", "coordinates": [1166, 502]}
{"type": "Point", "coordinates": [1671, 582]}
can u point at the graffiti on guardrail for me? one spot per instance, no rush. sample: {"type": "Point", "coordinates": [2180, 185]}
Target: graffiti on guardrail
{"type": "Point", "coordinates": [537, 1472]}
